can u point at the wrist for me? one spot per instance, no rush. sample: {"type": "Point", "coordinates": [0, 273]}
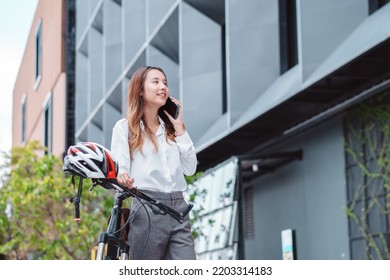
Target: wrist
{"type": "Point", "coordinates": [179, 133]}
{"type": "Point", "coordinates": [179, 130]}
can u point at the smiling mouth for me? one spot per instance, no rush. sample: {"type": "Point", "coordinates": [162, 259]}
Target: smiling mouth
{"type": "Point", "coordinates": [162, 94]}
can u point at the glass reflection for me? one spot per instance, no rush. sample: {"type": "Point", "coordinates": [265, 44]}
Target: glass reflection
{"type": "Point", "coordinates": [215, 207]}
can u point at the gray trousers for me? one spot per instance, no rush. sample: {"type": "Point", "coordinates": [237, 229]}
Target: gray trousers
{"type": "Point", "coordinates": [160, 237]}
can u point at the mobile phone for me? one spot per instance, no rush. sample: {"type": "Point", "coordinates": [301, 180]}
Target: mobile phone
{"type": "Point", "coordinates": [170, 107]}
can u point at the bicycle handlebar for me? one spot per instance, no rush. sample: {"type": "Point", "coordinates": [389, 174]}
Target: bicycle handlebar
{"type": "Point", "coordinates": [113, 184]}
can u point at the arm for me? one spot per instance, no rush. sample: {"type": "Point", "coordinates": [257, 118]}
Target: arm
{"type": "Point", "coordinates": [121, 152]}
{"type": "Point", "coordinates": [188, 158]}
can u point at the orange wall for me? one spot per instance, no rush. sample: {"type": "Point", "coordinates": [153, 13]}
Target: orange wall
{"type": "Point", "coordinates": [51, 13]}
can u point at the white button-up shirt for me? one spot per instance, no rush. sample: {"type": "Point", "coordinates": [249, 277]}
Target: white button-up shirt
{"type": "Point", "coordinates": [161, 170]}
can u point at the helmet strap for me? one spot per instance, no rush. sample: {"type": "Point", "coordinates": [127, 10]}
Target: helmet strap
{"type": "Point", "coordinates": [76, 200]}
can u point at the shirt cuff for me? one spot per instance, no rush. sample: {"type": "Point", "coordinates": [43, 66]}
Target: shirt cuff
{"type": "Point", "coordinates": [184, 142]}
{"type": "Point", "coordinates": [183, 138]}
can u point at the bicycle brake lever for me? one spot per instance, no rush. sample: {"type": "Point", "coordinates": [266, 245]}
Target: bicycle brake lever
{"type": "Point", "coordinates": [155, 211]}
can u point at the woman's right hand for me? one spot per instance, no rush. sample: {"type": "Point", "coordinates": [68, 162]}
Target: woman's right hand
{"type": "Point", "coordinates": [125, 180]}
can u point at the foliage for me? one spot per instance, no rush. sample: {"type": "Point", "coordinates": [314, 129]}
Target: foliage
{"type": "Point", "coordinates": [368, 147]}
{"type": "Point", "coordinates": [37, 218]}
{"type": "Point", "coordinates": [194, 193]}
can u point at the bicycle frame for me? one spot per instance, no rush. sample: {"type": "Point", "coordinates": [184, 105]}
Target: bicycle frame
{"type": "Point", "coordinates": [116, 247]}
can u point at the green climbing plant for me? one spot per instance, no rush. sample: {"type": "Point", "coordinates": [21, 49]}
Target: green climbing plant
{"type": "Point", "coordinates": [367, 146]}
{"type": "Point", "coordinates": [195, 193]}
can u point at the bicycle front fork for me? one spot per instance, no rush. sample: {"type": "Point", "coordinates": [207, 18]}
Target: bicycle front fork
{"type": "Point", "coordinates": [110, 247]}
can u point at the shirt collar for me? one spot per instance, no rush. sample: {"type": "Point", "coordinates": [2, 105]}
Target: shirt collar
{"type": "Point", "coordinates": [160, 129]}
{"type": "Point", "coordinates": [162, 123]}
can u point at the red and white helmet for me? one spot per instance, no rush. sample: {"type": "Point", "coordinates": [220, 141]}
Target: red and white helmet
{"type": "Point", "coordinates": [90, 160]}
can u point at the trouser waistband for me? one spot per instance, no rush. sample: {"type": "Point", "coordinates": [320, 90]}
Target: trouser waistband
{"type": "Point", "coordinates": [164, 195]}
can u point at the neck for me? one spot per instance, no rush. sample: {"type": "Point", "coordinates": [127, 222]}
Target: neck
{"type": "Point", "coordinates": [151, 118]}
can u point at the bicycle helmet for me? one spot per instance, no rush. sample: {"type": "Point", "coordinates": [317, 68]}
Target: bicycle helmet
{"type": "Point", "coordinates": [90, 160]}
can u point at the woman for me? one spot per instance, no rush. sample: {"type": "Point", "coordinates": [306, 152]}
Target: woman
{"type": "Point", "coordinates": [154, 152]}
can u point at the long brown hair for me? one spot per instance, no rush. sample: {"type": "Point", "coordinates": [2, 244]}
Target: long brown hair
{"type": "Point", "coordinates": [136, 111]}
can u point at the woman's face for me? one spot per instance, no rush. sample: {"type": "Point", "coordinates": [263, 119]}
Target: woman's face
{"type": "Point", "coordinates": [156, 91]}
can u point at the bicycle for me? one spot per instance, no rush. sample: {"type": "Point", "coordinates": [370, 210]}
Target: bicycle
{"type": "Point", "coordinates": [110, 245]}
{"type": "Point", "coordinates": [89, 160]}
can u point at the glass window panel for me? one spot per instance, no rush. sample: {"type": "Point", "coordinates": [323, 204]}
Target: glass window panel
{"type": "Point", "coordinates": [216, 208]}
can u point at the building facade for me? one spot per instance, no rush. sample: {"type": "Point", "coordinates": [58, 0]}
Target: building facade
{"type": "Point", "coordinates": [43, 95]}
{"type": "Point", "coordinates": [265, 86]}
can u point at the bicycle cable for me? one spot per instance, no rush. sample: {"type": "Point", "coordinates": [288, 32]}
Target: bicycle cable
{"type": "Point", "coordinates": [131, 216]}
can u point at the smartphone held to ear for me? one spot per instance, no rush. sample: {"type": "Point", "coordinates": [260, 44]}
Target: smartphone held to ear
{"type": "Point", "coordinates": [170, 107]}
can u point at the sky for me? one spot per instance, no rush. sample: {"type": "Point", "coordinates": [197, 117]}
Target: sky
{"type": "Point", "coordinates": [16, 17]}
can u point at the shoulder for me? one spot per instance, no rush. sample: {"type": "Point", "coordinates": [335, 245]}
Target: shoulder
{"type": "Point", "coordinates": [121, 126]}
{"type": "Point", "coordinates": [122, 123]}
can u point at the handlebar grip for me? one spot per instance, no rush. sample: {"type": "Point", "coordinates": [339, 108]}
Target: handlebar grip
{"type": "Point", "coordinates": [189, 207]}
